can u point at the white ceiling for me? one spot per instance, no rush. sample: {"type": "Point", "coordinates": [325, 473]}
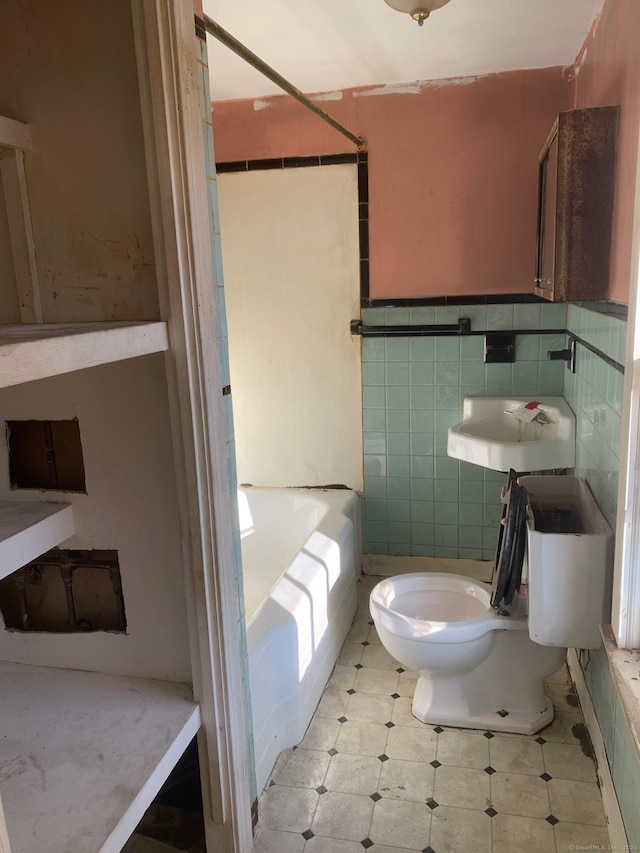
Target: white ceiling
{"type": "Point", "coordinates": [325, 45]}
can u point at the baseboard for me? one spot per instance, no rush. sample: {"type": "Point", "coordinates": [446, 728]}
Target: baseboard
{"type": "Point", "coordinates": [617, 834]}
{"type": "Point", "coordinates": [388, 565]}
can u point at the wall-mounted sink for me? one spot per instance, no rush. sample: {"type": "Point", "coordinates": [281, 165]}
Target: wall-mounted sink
{"type": "Point", "coordinates": [492, 437]}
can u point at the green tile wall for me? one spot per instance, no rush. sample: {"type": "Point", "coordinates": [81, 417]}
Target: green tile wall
{"type": "Point", "coordinates": [594, 392]}
{"type": "Point", "coordinates": [223, 349]}
{"type": "Point", "coordinates": [621, 753]}
{"type": "Point", "coordinates": [417, 500]}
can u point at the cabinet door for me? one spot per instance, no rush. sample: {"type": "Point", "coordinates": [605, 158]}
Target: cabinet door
{"type": "Point", "coordinates": [545, 274]}
{"type": "Point", "coordinates": [575, 206]}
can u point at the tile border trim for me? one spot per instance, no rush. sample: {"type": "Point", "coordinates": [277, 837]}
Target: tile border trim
{"type": "Point", "coordinates": [602, 355]}
{"type": "Point", "coordinates": [201, 29]}
{"type": "Point", "coordinates": [439, 301]}
{"type": "Point", "coordinates": [613, 309]}
{"type": "Point", "coordinates": [264, 163]}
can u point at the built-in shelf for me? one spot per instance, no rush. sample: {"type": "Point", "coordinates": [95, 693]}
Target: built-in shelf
{"type": "Point", "coordinates": [38, 351]}
{"type": "Point", "coordinates": [83, 754]}
{"type": "Point", "coordinates": [29, 529]}
{"type": "Point", "coordinates": [14, 134]}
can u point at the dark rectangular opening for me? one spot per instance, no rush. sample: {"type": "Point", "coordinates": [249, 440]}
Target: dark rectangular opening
{"type": "Point", "coordinates": [175, 818]}
{"type": "Point", "coordinates": [46, 455]}
{"type": "Point", "coordinates": [65, 591]}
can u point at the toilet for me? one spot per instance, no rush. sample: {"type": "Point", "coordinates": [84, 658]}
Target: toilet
{"type": "Point", "coordinates": [473, 643]}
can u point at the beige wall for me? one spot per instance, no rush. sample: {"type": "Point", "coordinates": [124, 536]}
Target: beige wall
{"type": "Point", "coordinates": [130, 506]}
{"type": "Point", "coordinates": [290, 258]}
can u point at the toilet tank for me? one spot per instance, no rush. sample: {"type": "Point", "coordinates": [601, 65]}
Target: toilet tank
{"type": "Point", "coordinates": [570, 555]}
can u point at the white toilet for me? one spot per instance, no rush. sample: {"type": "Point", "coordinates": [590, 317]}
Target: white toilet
{"type": "Point", "coordinates": [473, 642]}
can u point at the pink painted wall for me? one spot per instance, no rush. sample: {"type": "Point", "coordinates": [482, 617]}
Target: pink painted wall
{"type": "Point", "coordinates": [452, 173]}
{"type": "Point", "coordinates": [608, 72]}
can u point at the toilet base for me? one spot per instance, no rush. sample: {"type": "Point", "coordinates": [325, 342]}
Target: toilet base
{"type": "Point", "coordinates": [504, 693]}
{"type": "Point", "coordinates": [524, 721]}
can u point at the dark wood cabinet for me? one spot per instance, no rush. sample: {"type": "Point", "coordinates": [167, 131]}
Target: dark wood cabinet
{"type": "Point", "coordinates": [575, 205]}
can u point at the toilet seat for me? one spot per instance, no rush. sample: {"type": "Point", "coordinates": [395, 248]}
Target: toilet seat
{"type": "Point", "coordinates": [512, 539]}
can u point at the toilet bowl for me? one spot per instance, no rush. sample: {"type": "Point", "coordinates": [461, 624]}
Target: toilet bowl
{"type": "Point", "coordinates": [478, 669]}
{"type": "Point", "coordinates": [472, 642]}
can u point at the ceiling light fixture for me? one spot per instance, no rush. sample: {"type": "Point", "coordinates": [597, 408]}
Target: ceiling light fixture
{"type": "Point", "coordinates": [418, 9]}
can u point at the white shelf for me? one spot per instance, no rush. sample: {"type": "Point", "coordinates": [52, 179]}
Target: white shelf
{"type": "Point", "coordinates": [14, 134]}
{"type": "Point", "coordinates": [82, 754]}
{"type": "Point", "coordinates": [30, 352]}
{"type": "Point", "coordinates": [29, 529]}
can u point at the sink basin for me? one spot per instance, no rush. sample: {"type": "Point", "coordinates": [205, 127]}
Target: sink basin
{"type": "Point", "coordinates": [491, 437]}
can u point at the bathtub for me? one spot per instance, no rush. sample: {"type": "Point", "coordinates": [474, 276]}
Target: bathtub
{"type": "Point", "coordinates": [301, 561]}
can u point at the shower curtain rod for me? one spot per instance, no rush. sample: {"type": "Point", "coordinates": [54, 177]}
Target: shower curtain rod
{"type": "Point", "coordinates": [214, 29]}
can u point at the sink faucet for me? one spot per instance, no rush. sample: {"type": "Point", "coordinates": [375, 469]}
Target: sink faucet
{"type": "Point", "coordinates": [540, 418]}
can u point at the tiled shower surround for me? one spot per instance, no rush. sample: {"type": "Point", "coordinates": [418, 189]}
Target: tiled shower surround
{"type": "Point", "coordinates": [418, 501]}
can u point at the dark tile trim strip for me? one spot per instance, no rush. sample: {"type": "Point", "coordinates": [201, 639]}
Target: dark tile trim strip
{"type": "Point", "coordinates": [232, 166]}
{"type": "Point", "coordinates": [298, 162]}
{"type": "Point", "coordinates": [364, 275]}
{"type": "Point", "coordinates": [290, 162]}
{"type": "Point", "coordinates": [201, 29]}
{"type": "Point", "coordinates": [361, 160]}
{"type": "Point", "coordinates": [336, 159]}
{"type": "Point", "coordinates": [613, 309]}
{"type": "Point", "coordinates": [610, 361]}
{"type": "Point", "coordinates": [491, 299]}
{"type": "Point", "coordinates": [522, 331]}
{"type": "Point", "coordinates": [259, 165]}
{"type": "Point", "coordinates": [363, 224]}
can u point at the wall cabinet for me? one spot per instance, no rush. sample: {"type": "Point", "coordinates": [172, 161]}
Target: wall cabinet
{"type": "Point", "coordinates": [575, 207]}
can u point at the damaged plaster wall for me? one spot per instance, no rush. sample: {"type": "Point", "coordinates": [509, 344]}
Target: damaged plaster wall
{"type": "Point", "coordinates": [86, 174]}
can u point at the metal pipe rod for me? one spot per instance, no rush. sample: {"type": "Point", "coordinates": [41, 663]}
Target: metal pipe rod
{"type": "Point", "coordinates": [214, 29]}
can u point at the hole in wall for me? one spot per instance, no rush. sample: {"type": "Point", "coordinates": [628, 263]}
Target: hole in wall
{"type": "Point", "coordinates": [46, 455]}
{"type": "Point", "coordinates": [65, 591]}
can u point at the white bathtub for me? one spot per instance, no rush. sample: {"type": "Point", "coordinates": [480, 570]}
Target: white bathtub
{"type": "Point", "coordinates": [301, 560]}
